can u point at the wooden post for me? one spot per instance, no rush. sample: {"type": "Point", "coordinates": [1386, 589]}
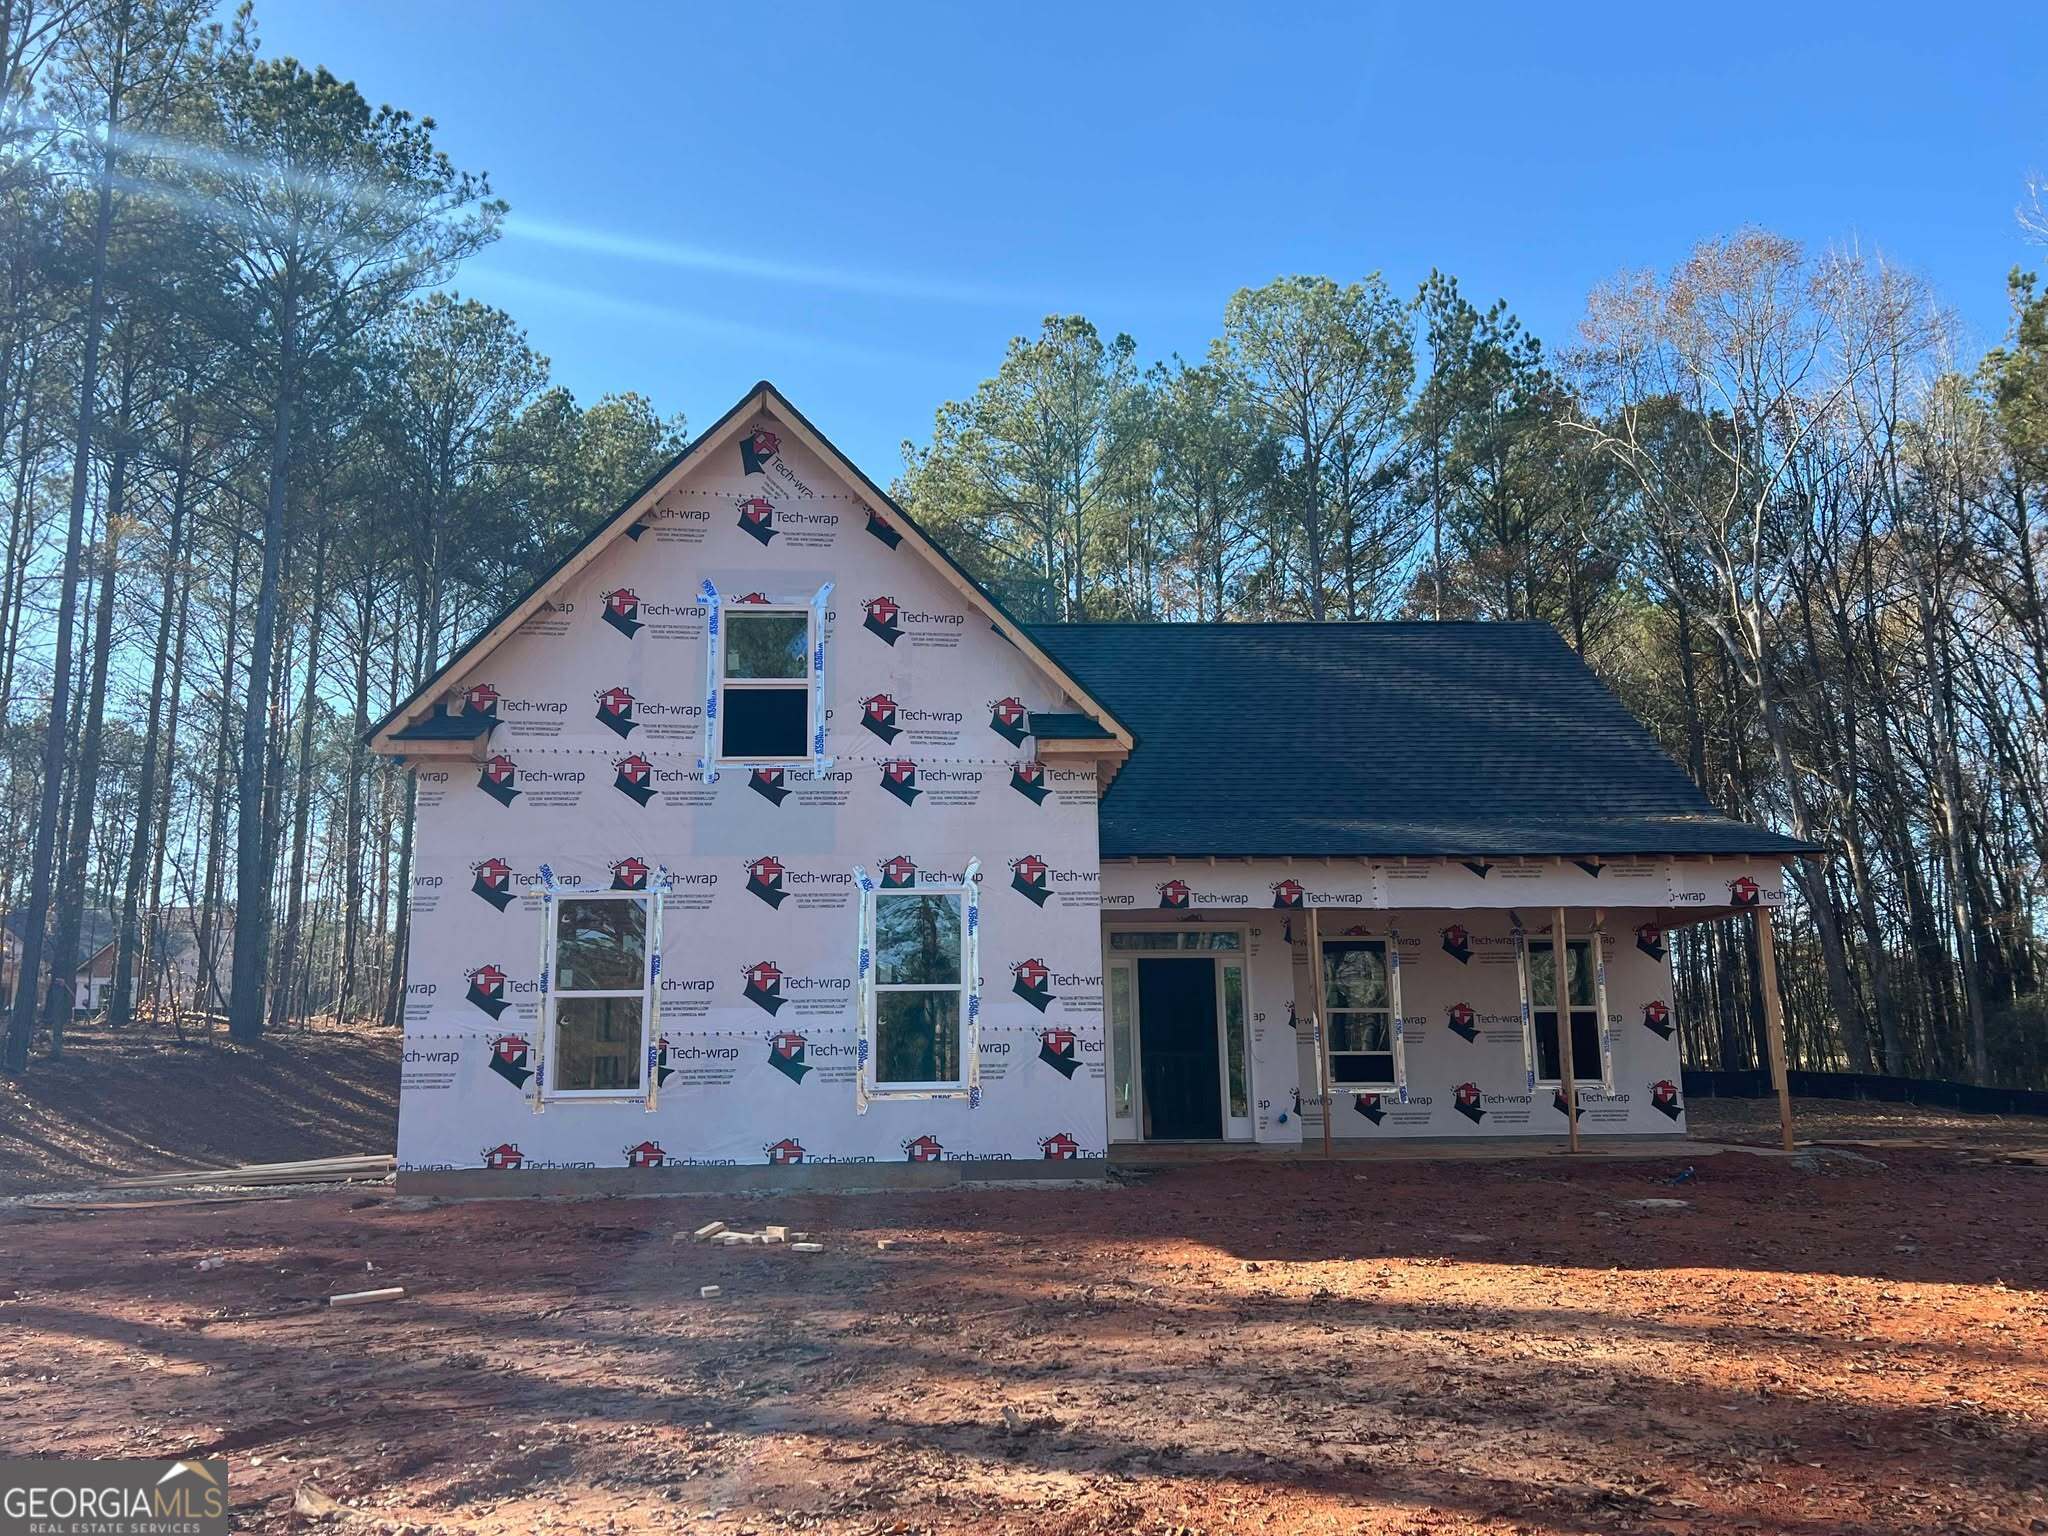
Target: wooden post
{"type": "Point", "coordinates": [1774, 1023]}
{"type": "Point", "coordinates": [1560, 957]}
{"type": "Point", "coordinates": [1325, 1073]}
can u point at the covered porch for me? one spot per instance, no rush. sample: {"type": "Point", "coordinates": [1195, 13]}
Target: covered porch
{"type": "Point", "coordinates": [1345, 1007]}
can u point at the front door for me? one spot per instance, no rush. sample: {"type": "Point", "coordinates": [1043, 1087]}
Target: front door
{"type": "Point", "coordinates": [1177, 1049]}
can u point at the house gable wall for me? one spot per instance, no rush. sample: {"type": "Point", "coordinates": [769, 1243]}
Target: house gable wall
{"type": "Point", "coordinates": [599, 703]}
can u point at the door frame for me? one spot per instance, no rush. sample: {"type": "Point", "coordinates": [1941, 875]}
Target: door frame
{"type": "Point", "coordinates": [1236, 1128]}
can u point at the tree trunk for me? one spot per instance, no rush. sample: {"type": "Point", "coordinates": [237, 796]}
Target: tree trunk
{"type": "Point", "coordinates": [252, 872]}
{"type": "Point", "coordinates": [21, 1023]}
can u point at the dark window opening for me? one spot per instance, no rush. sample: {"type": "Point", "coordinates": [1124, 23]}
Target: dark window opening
{"type": "Point", "coordinates": [765, 723]}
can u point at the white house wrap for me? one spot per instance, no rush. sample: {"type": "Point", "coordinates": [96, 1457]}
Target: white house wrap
{"type": "Point", "coordinates": [918, 741]}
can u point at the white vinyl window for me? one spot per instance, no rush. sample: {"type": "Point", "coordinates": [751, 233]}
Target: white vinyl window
{"type": "Point", "coordinates": [601, 979]}
{"type": "Point", "coordinates": [766, 676]}
{"type": "Point", "coordinates": [920, 1025]}
{"type": "Point", "coordinates": [1361, 1008]}
{"type": "Point", "coordinates": [1582, 1003]}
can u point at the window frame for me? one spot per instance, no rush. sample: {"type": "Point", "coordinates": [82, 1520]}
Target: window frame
{"type": "Point", "coordinates": [968, 990]}
{"type": "Point", "coordinates": [1532, 1038]}
{"type": "Point", "coordinates": [552, 995]}
{"type": "Point", "coordinates": [809, 683]}
{"type": "Point", "coordinates": [1390, 1010]}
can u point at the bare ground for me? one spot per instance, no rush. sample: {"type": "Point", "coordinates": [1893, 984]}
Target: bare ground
{"type": "Point", "coordinates": [142, 1101]}
{"type": "Point", "coordinates": [1422, 1347]}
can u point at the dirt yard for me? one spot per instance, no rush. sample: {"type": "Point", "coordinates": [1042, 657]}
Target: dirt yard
{"type": "Point", "coordinates": [142, 1101]}
{"type": "Point", "coordinates": [1413, 1348]}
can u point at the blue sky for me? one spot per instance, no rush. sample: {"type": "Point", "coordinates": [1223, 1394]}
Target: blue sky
{"type": "Point", "coordinates": [864, 203]}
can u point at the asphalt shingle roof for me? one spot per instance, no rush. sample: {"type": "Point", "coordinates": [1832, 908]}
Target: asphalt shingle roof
{"type": "Point", "coordinates": [442, 726]}
{"type": "Point", "coordinates": [1420, 739]}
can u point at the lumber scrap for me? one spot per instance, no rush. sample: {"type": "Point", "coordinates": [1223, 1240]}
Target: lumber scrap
{"type": "Point", "coordinates": [323, 1170]}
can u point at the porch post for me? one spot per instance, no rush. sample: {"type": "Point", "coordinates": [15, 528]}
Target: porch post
{"type": "Point", "coordinates": [1774, 1022]}
{"type": "Point", "coordinates": [1567, 1084]}
{"type": "Point", "coordinates": [1324, 1076]}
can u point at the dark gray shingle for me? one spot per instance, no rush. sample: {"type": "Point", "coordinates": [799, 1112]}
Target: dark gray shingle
{"type": "Point", "coordinates": [1270, 740]}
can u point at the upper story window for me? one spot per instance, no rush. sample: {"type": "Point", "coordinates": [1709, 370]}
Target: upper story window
{"type": "Point", "coordinates": [766, 680]}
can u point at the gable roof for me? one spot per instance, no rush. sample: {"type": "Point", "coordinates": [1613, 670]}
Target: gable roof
{"type": "Point", "coordinates": [420, 718]}
{"type": "Point", "coordinates": [1421, 739]}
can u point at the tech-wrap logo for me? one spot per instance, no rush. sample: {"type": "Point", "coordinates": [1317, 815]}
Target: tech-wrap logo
{"type": "Point", "coordinates": [888, 621]}
{"type": "Point", "coordinates": [899, 778]}
{"type": "Point", "coordinates": [898, 873]}
{"type": "Point", "coordinates": [1368, 1105]}
{"type": "Point", "coordinates": [1462, 1021]}
{"type": "Point", "coordinates": [764, 879]}
{"type": "Point", "coordinates": [499, 778]}
{"type": "Point", "coordinates": [1657, 1018]}
{"type": "Point", "coordinates": [1177, 896]}
{"type": "Point", "coordinates": [628, 613]}
{"type": "Point", "coordinates": [758, 450]}
{"type": "Point", "coordinates": [878, 717]}
{"type": "Point", "coordinates": [493, 882]}
{"type": "Point", "coordinates": [786, 1153]}
{"type": "Point", "coordinates": [923, 1149]}
{"type": "Point", "coordinates": [1057, 1049]}
{"type": "Point", "coordinates": [1664, 1099]}
{"type": "Point", "coordinates": [757, 518]}
{"type": "Point", "coordinates": [1744, 892]}
{"type": "Point", "coordinates": [647, 1154]}
{"type": "Point", "coordinates": [487, 989]}
{"type": "Point", "coordinates": [1650, 940]}
{"type": "Point", "coordinates": [483, 701]}
{"type": "Point", "coordinates": [1457, 942]}
{"type": "Point", "coordinates": [508, 1059]}
{"type": "Point", "coordinates": [881, 620]}
{"type": "Point", "coordinates": [633, 777]}
{"type": "Point", "coordinates": [1059, 1148]}
{"type": "Point", "coordinates": [771, 784]}
{"type": "Point", "coordinates": [505, 1157]}
{"type": "Point", "coordinates": [1469, 1102]}
{"type": "Point", "coordinates": [480, 702]}
{"type": "Point", "coordinates": [1009, 719]}
{"type": "Point", "coordinates": [1032, 981]}
{"type": "Point", "coordinates": [1028, 779]}
{"type": "Point", "coordinates": [1031, 878]}
{"type": "Point", "coordinates": [622, 611]}
{"type": "Point", "coordinates": [615, 711]}
{"type": "Point", "coordinates": [789, 1054]}
{"type": "Point", "coordinates": [1292, 894]}
{"type": "Point", "coordinates": [768, 985]}
{"type": "Point", "coordinates": [629, 874]}
{"type": "Point", "coordinates": [883, 529]}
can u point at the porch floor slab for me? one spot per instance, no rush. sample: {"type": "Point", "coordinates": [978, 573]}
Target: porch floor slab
{"type": "Point", "coordinates": [1417, 1149]}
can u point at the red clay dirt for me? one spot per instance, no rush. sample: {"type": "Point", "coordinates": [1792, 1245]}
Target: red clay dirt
{"type": "Point", "coordinates": [1414, 1348]}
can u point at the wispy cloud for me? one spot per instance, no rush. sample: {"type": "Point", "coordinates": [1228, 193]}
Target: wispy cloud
{"type": "Point", "coordinates": [698, 258]}
{"type": "Point", "coordinates": [670, 317]}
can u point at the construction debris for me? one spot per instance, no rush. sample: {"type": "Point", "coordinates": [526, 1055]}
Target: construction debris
{"type": "Point", "coordinates": [709, 1230]}
{"type": "Point", "coordinates": [709, 1291]}
{"type": "Point", "coordinates": [358, 1298]}
{"type": "Point", "coordinates": [321, 1170]}
{"type": "Point", "coordinates": [806, 1247]}
{"type": "Point", "coordinates": [313, 1503]}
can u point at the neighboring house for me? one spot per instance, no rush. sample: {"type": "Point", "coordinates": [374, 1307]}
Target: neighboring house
{"type": "Point", "coordinates": [94, 926]}
{"type": "Point", "coordinates": [167, 942]}
{"type": "Point", "coordinates": [758, 835]}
